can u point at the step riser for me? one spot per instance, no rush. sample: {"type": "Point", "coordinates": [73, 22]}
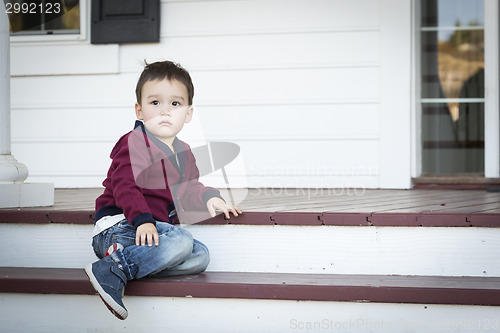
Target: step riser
{"type": "Point", "coordinates": [285, 249]}
{"type": "Point", "coordinates": [70, 313]}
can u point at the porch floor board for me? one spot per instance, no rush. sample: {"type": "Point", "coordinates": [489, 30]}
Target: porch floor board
{"type": "Point", "coordinates": [309, 207]}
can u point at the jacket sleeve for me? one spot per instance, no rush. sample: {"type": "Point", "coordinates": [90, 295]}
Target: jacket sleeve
{"type": "Point", "coordinates": [128, 195]}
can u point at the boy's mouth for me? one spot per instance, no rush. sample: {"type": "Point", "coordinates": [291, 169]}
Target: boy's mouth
{"type": "Point", "coordinates": [165, 123]}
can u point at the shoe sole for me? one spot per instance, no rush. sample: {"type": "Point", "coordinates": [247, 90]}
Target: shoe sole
{"type": "Point", "coordinates": [111, 304]}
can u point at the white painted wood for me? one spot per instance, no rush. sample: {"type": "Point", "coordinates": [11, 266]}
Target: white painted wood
{"type": "Point", "coordinates": [11, 171]}
{"type": "Point", "coordinates": [304, 122]}
{"type": "Point", "coordinates": [261, 51]}
{"type": "Point", "coordinates": [26, 194]}
{"type": "Point", "coordinates": [293, 159]}
{"type": "Point", "coordinates": [316, 74]}
{"type": "Point", "coordinates": [64, 59]}
{"type": "Point", "coordinates": [13, 192]}
{"type": "Point", "coordinates": [5, 140]}
{"type": "Point", "coordinates": [285, 249]}
{"type": "Point", "coordinates": [492, 89]}
{"type": "Point", "coordinates": [224, 87]}
{"type": "Point", "coordinates": [92, 124]}
{"type": "Point", "coordinates": [416, 107]}
{"type": "Point", "coordinates": [318, 162]}
{"type": "Point", "coordinates": [70, 313]}
{"type": "Point", "coordinates": [395, 85]}
{"type": "Point", "coordinates": [185, 18]}
{"type": "Point", "coordinates": [68, 91]}
{"type": "Point", "coordinates": [314, 134]}
{"type": "Point", "coordinates": [340, 84]}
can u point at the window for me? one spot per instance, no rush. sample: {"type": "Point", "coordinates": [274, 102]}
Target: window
{"type": "Point", "coordinates": [452, 79]}
{"type": "Point", "coordinates": [43, 17]}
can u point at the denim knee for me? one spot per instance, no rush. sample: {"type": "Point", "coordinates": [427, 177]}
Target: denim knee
{"type": "Point", "coordinates": [98, 244]}
{"type": "Point", "coordinates": [185, 242]}
{"type": "Point", "coordinates": [176, 245]}
{"type": "Point", "coordinates": [202, 256]}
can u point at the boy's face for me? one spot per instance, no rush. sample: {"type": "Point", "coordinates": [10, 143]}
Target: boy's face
{"type": "Point", "coordinates": [164, 108]}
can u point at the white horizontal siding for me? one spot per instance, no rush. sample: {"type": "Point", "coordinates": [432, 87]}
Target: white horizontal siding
{"type": "Point", "coordinates": [258, 51]}
{"type": "Point", "coordinates": [306, 121]}
{"type": "Point", "coordinates": [268, 163]}
{"type": "Point", "coordinates": [73, 58]}
{"type": "Point", "coordinates": [289, 81]}
{"type": "Point", "coordinates": [285, 86]}
{"type": "Point", "coordinates": [186, 18]}
{"type": "Point", "coordinates": [73, 91]}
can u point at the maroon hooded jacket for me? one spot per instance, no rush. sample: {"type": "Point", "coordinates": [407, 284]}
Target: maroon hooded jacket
{"type": "Point", "coordinates": [148, 182]}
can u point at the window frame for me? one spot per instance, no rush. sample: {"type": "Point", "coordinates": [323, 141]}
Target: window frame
{"type": "Point", "coordinates": [81, 36]}
{"type": "Point", "coordinates": [492, 89]}
{"type": "Point", "coordinates": [491, 98]}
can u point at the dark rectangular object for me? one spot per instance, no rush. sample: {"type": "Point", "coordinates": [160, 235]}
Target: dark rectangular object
{"type": "Point", "coordinates": [125, 21]}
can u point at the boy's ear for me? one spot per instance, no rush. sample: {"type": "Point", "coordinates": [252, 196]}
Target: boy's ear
{"type": "Point", "coordinates": [189, 115]}
{"type": "Point", "coordinates": [138, 111]}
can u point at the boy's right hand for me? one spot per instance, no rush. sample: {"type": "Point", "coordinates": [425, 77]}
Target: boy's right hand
{"type": "Point", "coordinates": [146, 233]}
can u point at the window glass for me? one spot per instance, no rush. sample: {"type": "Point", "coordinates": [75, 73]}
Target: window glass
{"type": "Point", "coordinates": [43, 17]}
{"type": "Point", "coordinates": [452, 86]}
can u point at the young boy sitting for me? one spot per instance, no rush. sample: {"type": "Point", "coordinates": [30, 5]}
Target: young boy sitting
{"type": "Point", "coordinates": [152, 178]}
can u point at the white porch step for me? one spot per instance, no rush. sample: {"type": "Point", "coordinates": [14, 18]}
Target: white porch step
{"type": "Point", "coordinates": [250, 302]}
{"type": "Point", "coordinates": [26, 313]}
{"type": "Point", "coordinates": [440, 251]}
{"type": "Point", "coordinates": [464, 248]}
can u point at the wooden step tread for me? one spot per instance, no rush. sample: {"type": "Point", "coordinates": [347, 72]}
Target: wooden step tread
{"type": "Point", "coordinates": [430, 219]}
{"type": "Point", "coordinates": [283, 286]}
{"type": "Point", "coordinates": [344, 207]}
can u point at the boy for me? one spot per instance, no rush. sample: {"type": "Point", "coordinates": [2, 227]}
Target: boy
{"type": "Point", "coordinates": [152, 178]}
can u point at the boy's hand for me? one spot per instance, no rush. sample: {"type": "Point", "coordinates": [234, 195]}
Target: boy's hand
{"type": "Point", "coordinates": [146, 233]}
{"type": "Point", "coordinates": [217, 203]}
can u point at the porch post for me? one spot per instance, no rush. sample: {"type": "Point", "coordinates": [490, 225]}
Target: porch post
{"type": "Point", "coordinates": [13, 191]}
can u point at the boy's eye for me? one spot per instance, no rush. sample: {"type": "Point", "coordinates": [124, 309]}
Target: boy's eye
{"type": "Point", "coordinates": [176, 104]}
{"type": "Point", "coordinates": [155, 103]}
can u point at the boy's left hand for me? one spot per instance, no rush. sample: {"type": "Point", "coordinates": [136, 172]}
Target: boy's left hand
{"type": "Point", "coordinates": [217, 203]}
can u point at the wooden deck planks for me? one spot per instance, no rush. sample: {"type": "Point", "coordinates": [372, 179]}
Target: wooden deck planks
{"type": "Point", "coordinates": [310, 207]}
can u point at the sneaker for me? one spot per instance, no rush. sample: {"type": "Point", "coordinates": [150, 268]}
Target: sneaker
{"type": "Point", "coordinates": [109, 281]}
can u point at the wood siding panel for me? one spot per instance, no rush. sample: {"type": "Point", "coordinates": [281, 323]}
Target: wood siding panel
{"type": "Point", "coordinates": [243, 17]}
{"type": "Point", "coordinates": [268, 75]}
{"type": "Point", "coordinates": [260, 51]}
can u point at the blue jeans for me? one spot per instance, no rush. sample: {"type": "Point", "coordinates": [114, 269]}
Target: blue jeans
{"type": "Point", "coordinates": [177, 253]}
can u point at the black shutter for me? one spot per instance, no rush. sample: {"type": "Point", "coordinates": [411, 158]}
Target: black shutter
{"type": "Point", "coordinates": [125, 21]}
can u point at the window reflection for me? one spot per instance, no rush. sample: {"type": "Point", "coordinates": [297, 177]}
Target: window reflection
{"type": "Point", "coordinates": [452, 83]}
{"type": "Point", "coordinates": [44, 17]}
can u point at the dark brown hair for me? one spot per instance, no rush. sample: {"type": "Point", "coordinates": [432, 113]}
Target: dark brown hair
{"type": "Point", "coordinates": [162, 70]}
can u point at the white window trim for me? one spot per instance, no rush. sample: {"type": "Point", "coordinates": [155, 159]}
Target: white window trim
{"type": "Point", "coordinates": [416, 105]}
{"type": "Point", "coordinates": [492, 88]}
{"type": "Point", "coordinates": [82, 36]}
